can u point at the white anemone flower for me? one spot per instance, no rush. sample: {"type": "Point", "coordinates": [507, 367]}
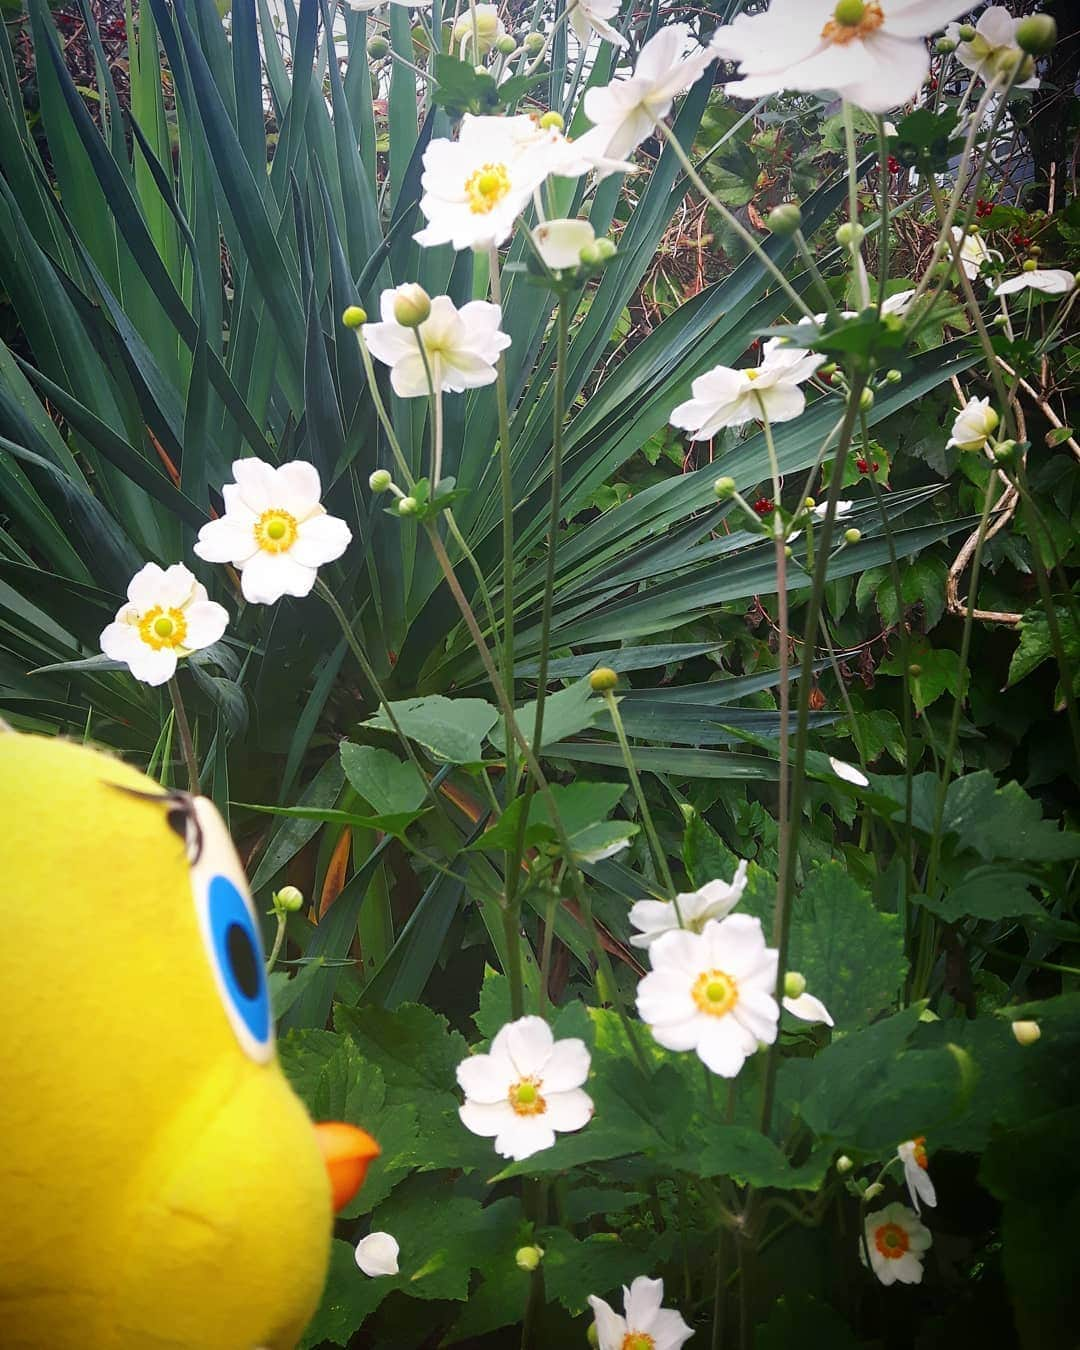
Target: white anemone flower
{"type": "Point", "coordinates": [377, 1254]}
{"type": "Point", "coordinates": [842, 509]}
{"type": "Point", "coordinates": [712, 992]}
{"type": "Point", "coordinates": [975, 424]}
{"type": "Point", "coordinates": [974, 251]}
{"type": "Point", "coordinates": [872, 52]}
{"type": "Point", "coordinates": [462, 346]}
{"type": "Point", "coordinates": [912, 1153]}
{"type": "Point", "coordinates": [168, 615]}
{"type": "Point", "coordinates": [723, 397]}
{"type": "Point", "coordinates": [714, 900]}
{"type": "Point", "coordinates": [626, 110]}
{"type": "Point", "coordinates": [993, 51]}
{"type": "Point", "coordinates": [275, 530]}
{"type": "Point", "coordinates": [594, 16]}
{"type": "Point", "coordinates": [645, 1324]}
{"type": "Point", "coordinates": [897, 1242]}
{"type": "Point", "coordinates": [848, 772]}
{"type": "Point", "coordinates": [525, 1089]}
{"type": "Point", "coordinates": [559, 242]}
{"type": "Point", "coordinates": [1049, 280]}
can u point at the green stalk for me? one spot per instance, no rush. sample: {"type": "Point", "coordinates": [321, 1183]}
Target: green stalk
{"type": "Point", "coordinates": [279, 938]}
{"type": "Point", "coordinates": [884, 235]}
{"type": "Point", "coordinates": [853, 202]}
{"type": "Point", "coordinates": [655, 847]}
{"type": "Point", "coordinates": [187, 745]}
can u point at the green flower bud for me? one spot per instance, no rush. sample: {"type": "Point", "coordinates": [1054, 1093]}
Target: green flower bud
{"type": "Point", "coordinates": [873, 1190]}
{"type": "Point", "coordinates": [590, 255]}
{"type": "Point", "coordinates": [967, 32]}
{"type": "Point", "coordinates": [593, 1335]}
{"type": "Point", "coordinates": [943, 46]}
{"type": "Point", "coordinates": [1026, 1033]}
{"type": "Point", "coordinates": [788, 551]}
{"type": "Point", "coordinates": [850, 234]}
{"type": "Point", "coordinates": [809, 503]}
{"type": "Point", "coordinates": [289, 900]}
{"type": "Point", "coordinates": [534, 43]}
{"type": "Point", "coordinates": [552, 119]}
{"type": "Point", "coordinates": [852, 536]}
{"type": "Point", "coordinates": [380, 480]}
{"type": "Point", "coordinates": [829, 368]}
{"type": "Point", "coordinates": [528, 1258]}
{"type": "Point", "coordinates": [893, 376]}
{"type": "Point", "coordinates": [785, 219]}
{"type": "Point", "coordinates": [607, 248]}
{"type": "Point", "coordinates": [377, 48]}
{"type": "Point", "coordinates": [1030, 265]}
{"type": "Point", "coordinates": [724, 488]}
{"type": "Point", "coordinates": [1004, 451]}
{"type": "Point", "coordinates": [603, 679]}
{"type": "Point", "coordinates": [849, 12]}
{"type": "Point", "coordinates": [412, 305]}
{"type": "Point", "coordinates": [407, 506]}
{"type": "Point", "coordinates": [866, 399]}
{"type": "Point", "coordinates": [1036, 34]}
{"type": "Point", "coordinates": [1000, 320]}
{"type": "Point", "coordinates": [914, 670]}
{"type": "Point", "coordinates": [354, 316]}
{"type": "Point", "coordinates": [794, 984]}
{"type": "Point", "coordinates": [505, 44]}
{"type": "Point", "coordinates": [844, 1164]}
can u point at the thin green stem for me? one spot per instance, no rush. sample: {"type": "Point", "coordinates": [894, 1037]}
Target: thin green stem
{"type": "Point", "coordinates": [381, 413]}
{"type": "Point", "coordinates": [663, 871]}
{"type": "Point", "coordinates": [279, 938]}
{"type": "Point", "coordinates": [853, 203]}
{"type": "Point", "coordinates": [884, 234]}
{"type": "Point", "coordinates": [187, 745]}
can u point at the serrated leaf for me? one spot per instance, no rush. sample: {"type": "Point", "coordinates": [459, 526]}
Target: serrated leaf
{"type": "Point", "coordinates": [1003, 822]}
{"type": "Point", "coordinates": [389, 784]}
{"type": "Point", "coordinates": [566, 712]}
{"type": "Point", "coordinates": [452, 729]}
{"type": "Point", "coordinates": [986, 893]}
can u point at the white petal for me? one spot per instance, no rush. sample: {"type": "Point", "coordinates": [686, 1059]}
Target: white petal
{"type": "Point", "coordinates": [848, 772]}
{"type": "Point", "coordinates": [809, 1008]}
{"type": "Point", "coordinates": [664, 996]}
{"type": "Point", "coordinates": [223, 541]}
{"type": "Point", "coordinates": [152, 667]}
{"type": "Point", "coordinates": [611, 1328]}
{"type": "Point", "coordinates": [529, 1043]}
{"type": "Point", "coordinates": [297, 487]}
{"type": "Point", "coordinates": [120, 641]}
{"type": "Point", "coordinates": [206, 622]}
{"type": "Point", "coordinates": [680, 1036]}
{"type": "Point", "coordinates": [756, 1010]}
{"type": "Point", "coordinates": [256, 480]}
{"type": "Point", "coordinates": [145, 586]}
{"type": "Point", "coordinates": [523, 1136]}
{"type": "Point", "coordinates": [268, 576]}
{"type": "Point", "coordinates": [567, 1111]}
{"type": "Point", "coordinates": [486, 1119]}
{"type": "Point", "coordinates": [320, 539]}
{"type": "Point", "coordinates": [377, 1254]}
{"type": "Point", "coordinates": [177, 587]}
{"type": "Point", "coordinates": [567, 1066]}
{"type": "Point", "coordinates": [724, 1045]}
{"type": "Point", "coordinates": [642, 1303]}
{"type": "Point", "coordinates": [486, 1078]}
{"type": "Point", "coordinates": [653, 917]}
{"type": "Point", "coordinates": [679, 950]}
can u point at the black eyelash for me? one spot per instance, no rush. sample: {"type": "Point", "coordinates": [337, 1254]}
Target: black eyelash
{"type": "Point", "coordinates": [180, 816]}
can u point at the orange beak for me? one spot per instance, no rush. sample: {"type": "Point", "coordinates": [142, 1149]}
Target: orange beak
{"type": "Point", "coordinates": [346, 1151]}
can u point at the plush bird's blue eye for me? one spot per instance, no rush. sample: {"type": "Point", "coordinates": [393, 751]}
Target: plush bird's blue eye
{"type": "Point", "coordinates": [237, 951]}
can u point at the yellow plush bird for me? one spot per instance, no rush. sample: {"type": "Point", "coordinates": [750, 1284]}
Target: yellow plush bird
{"type": "Point", "coordinates": [160, 1184]}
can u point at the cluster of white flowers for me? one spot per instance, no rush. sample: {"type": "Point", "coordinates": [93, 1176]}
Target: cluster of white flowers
{"type": "Point", "coordinates": [724, 397]}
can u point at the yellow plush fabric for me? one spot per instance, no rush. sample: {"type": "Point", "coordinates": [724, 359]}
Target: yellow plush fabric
{"type": "Point", "coordinates": [160, 1187]}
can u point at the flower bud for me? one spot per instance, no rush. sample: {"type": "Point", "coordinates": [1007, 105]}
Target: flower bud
{"type": "Point", "coordinates": [829, 368]}
{"type": "Point", "coordinates": [1030, 265]}
{"type": "Point", "coordinates": [1004, 451]}
{"type": "Point", "coordinates": [603, 679]}
{"type": "Point", "coordinates": [943, 46]}
{"type": "Point", "coordinates": [785, 219]}
{"type": "Point", "coordinates": [533, 43]}
{"type": "Point", "coordinates": [1026, 1033]}
{"type": "Point", "coordinates": [893, 376]}
{"type": "Point", "coordinates": [407, 506]}
{"type": "Point", "coordinates": [873, 1190]}
{"type": "Point", "coordinates": [354, 316]}
{"type": "Point", "coordinates": [852, 536]}
{"type": "Point", "coordinates": [412, 305]}
{"type": "Point", "coordinates": [607, 248]}
{"type": "Point", "coordinates": [914, 670]}
{"type": "Point", "coordinates": [966, 32]}
{"type": "Point", "coordinates": [866, 399]}
{"type": "Point", "coordinates": [506, 45]}
{"type": "Point", "coordinates": [380, 480]}
{"type": "Point", "coordinates": [1036, 34]}
{"type": "Point", "coordinates": [687, 811]}
{"type": "Point", "coordinates": [563, 243]}
{"type": "Point", "coordinates": [724, 488]}
{"type": "Point", "coordinates": [850, 234]}
{"type": "Point", "coordinates": [1000, 320]}
{"type": "Point", "coordinates": [289, 900]}
{"type": "Point", "coordinates": [794, 984]}
{"type": "Point", "coordinates": [377, 47]}
{"type": "Point", "coordinates": [788, 551]}
{"type": "Point", "coordinates": [593, 1335]}
{"type": "Point", "coordinates": [844, 1164]}
{"type": "Point", "coordinates": [528, 1258]}
{"type": "Point", "coordinates": [809, 503]}
{"type": "Point", "coordinates": [552, 119]}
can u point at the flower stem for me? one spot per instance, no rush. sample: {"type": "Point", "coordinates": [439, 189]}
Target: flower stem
{"type": "Point", "coordinates": [655, 847]}
{"type": "Point", "coordinates": [279, 938]}
{"type": "Point", "coordinates": [187, 745]}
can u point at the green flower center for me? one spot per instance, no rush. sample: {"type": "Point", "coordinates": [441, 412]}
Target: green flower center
{"type": "Point", "coordinates": [637, 1340]}
{"type": "Point", "coordinates": [525, 1098]}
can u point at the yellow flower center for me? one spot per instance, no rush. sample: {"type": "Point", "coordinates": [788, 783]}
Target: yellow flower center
{"type": "Point", "coordinates": [160, 627]}
{"type": "Point", "coordinates": [637, 1340]}
{"type": "Point", "coordinates": [852, 20]}
{"type": "Point", "coordinates": [525, 1097]}
{"type": "Point", "coordinates": [751, 374]}
{"type": "Point", "coordinates": [919, 1151]}
{"type": "Point", "coordinates": [715, 992]}
{"type": "Point", "coordinates": [486, 188]}
{"type": "Point", "coordinates": [276, 531]}
{"type": "Point", "coordinates": [891, 1240]}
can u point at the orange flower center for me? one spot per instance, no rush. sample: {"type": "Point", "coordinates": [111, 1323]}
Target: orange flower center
{"type": "Point", "coordinates": [160, 627]}
{"type": "Point", "coordinates": [637, 1340]}
{"type": "Point", "coordinates": [715, 992]}
{"type": "Point", "coordinates": [525, 1097]}
{"type": "Point", "coordinates": [486, 187]}
{"type": "Point", "coordinates": [276, 531]}
{"type": "Point", "coordinates": [920, 1151]}
{"type": "Point", "coordinates": [853, 20]}
{"type": "Point", "coordinates": [891, 1240]}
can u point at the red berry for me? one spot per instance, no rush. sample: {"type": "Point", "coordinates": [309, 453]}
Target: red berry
{"type": "Point", "coordinates": [862, 466]}
{"type": "Point", "coordinates": [764, 506]}
{"type": "Point", "coordinates": [894, 164]}
{"type": "Point", "coordinates": [875, 466]}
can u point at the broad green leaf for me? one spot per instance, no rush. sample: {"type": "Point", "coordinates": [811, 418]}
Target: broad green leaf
{"type": "Point", "coordinates": [1003, 822]}
{"type": "Point", "coordinates": [597, 1264]}
{"type": "Point", "coordinates": [932, 672]}
{"type": "Point", "coordinates": [348, 1299]}
{"type": "Point", "coordinates": [989, 892]}
{"type": "Point", "coordinates": [390, 785]}
{"type": "Point", "coordinates": [566, 712]}
{"type": "Point", "coordinates": [1036, 645]}
{"type": "Point", "coordinates": [452, 729]}
{"type": "Point", "coordinates": [582, 808]}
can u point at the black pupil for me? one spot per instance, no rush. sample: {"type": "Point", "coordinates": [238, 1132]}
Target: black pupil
{"type": "Point", "coordinates": [243, 959]}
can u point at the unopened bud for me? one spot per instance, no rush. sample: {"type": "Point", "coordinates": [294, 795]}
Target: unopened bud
{"type": "Point", "coordinates": [607, 248]}
{"type": "Point", "coordinates": [528, 1258]}
{"type": "Point", "coordinates": [893, 376]}
{"type": "Point", "coordinates": [1030, 265]}
{"type": "Point", "coordinates": [850, 234]}
{"type": "Point", "coordinates": [829, 368]}
{"type": "Point", "coordinates": [785, 219]}
{"type": "Point", "coordinates": [1000, 320]}
{"type": "Point", "coordinates": [914, 670]}
{"type": "Point", "coordinates": [407, 506]}
{"type": "Point", "coordinates": [377, 48]}
{"type": "Point", "coordinates": [505, 45]}
{"type": "Point", "coordinates": [873, 1190]}
{"type": "Point", "coordinates": [852, 536]}
{"type": "Point", "coordinates": [966, 32]}
{"type": "Point", "coordinates": [866, 399]}
{"type": "Point", "coordinates": [354, 316]}
{"type": "Point", "coordinates": [552, 119]}
{"type": "Point", "coordinates": [724, 488]}
{"type": "Point", "coordinates": [590, 255]}
{"type": "Point", "coordinates": [1036, 34]}
{"type": "Point", "coordinates": [1035, 250]}
{"type": "Point", "coordinates": [788, 551]}
{"type": "Point", "coordinates": [943, 46]}
{"type": "Point", "coordinates": [593, 1335]}
{"type": "Point", "coordinates": [380, 480]}
{"type": "Point", "coordinates": [289, 900]}
{"type": "Point", "coordinates": [603, 679]}
{"type": "Point", "coordinates": [794, 984]}
{"type": "Point", "coordinates": [412, 305]}
{"type": "Point", "coordinates": [844, 1164]}
{"type": "Point", "coordinates": [1026, 1033]}
{"type": "Point", "coordinates": [534, 43]}
{"type": "Point", "coordinates": [1004, 451]}
{"type": "Point", "coordinates": [809, 503]}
